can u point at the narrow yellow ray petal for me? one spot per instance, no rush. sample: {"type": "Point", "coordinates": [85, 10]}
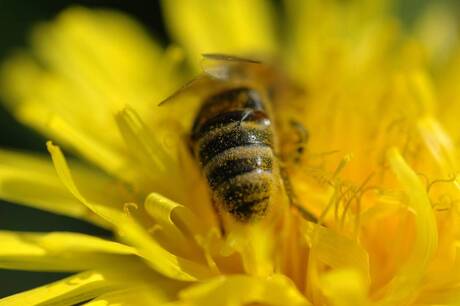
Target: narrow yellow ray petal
{"type": "Point", "coordinates": [138, 287]}
{"type": "Point", "coordinates": [402, 287]}
{"type": "Point", "coordinates": [122, 298]}
{"type": "Point", "coordinates": [48, 103]}
{"type": "Point", "coordinates": [76, 66]}
{"type": "Point", "coordinates": [87, 145]}
{"type": "Point", "coordinates": [63, 171]}
{"type": "Point", "coordinates": [440, 145]}
{"type": "Point", "coordinates": [69, 291]}
{"type": "Point", "coordinates": [136, 295]}
{"type": "Point", "coordinates": [77, 46]}
{"type": "Point", "coordinates": [143, 141]}
{"type": "Point", "coordinates": [149, 152]}
{"type": "Point", "coordinates": [177, 233]}
{"type": "Point", "coordinates": [334, 252]}
{"type": "Point", "coordinates": [31, 180]}
{"type": "Point", "coordinates": [129, 230]}
{"type": "Point", "coordinates": [230, 26]}
{"type": "Point", "coordinates": [243, 290]}
{"type": "Point", "coordinates": [345, 287]}
{"type": "Point", "coordinates": [444, 296]}
{"type": "Point", "coordinates": [423, 91]}
{"type": "Point", "coordinates": [339, 252]}
{"type": "Point", "coordinates": [171, 215]}
{"type": "Point", "coordinates": [255, 244]}
{"type": "Point", "coordinates": [157, 257]}
{"type": "Point", "coordinates": [59, 251]}
{"type": "Point", "coordinates": [108, 213]}
{"type": "Point", "coordinates": [328, 36]}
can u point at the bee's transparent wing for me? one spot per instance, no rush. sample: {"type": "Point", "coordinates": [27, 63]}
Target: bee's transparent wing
{"type": "Point", "coordinates": [229, 58]}
{"type": "Point", "coordinates": [183, 105]}
{"type": "Point", "coordinates": [194, 86]}
{"type": "Point", "coordinates": [216, 67]}
{"type": "Point", "coordinates": [220, 71]}
{"type": "Point", "coordinates": [231, 68]}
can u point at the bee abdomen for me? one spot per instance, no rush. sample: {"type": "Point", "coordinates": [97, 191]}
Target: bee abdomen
{"type": "Point", "coordinates": [238, 165]}
{"type": "Point", "coordinates": [231, 117]}
{"type": "Point", "coordinates": [228, 167]}
{"type": "Point", "coordinates": [222, 139]}
{"type": "Point", "coordinates": [246, 196]}
{"type": "Point", "coordinates": [232, 138]}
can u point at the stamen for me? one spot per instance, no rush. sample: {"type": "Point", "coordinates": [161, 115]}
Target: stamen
{"type": "Point", "coordinates": [425, 177]}
{"type": "Point", "coordinates": [355, 196]}
{"type": "Point", "coordinates": [128, 206]}
{"type": "Point", "coordinates": [345, 160]}
{"type": "Point", "coordinates": [437, 181]}
{"type": "Point", "coordinates": [328, 207]}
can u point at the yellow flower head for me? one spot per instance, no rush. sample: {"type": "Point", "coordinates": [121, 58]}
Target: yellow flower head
{"type": "Point", "coordinates": [379, 170]}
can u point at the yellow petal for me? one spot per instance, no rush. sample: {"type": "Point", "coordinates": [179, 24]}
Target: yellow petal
{"type": "Point", "coordinates": [31, 180]}
{"type": "Point", "coordinates": [255, 244]}
{"type": "Point", "coordinates": [79, 67]}
{"type": "Point", "coordinates": [157, 257]}
{"type": "Point", "coordinates": [129, 230]}
{"type": "Point", "coordinates": [402, 287]}
{"type": "Point", "coordinates": [439, 144]}
{"type": "Point", "coordinates": [135, 296]}
{"type": "Point", "coordinates": [243, 290]}
{"type": "Point", "coordinates": [63, 171]}
{"type": "Point", "coordinates": [340, 252]}
{"type": "Point", "coordinates": [143, 142]}
{"type": "Point", "coordinates": [77, 45]}
{"type": "Point", "coordinates": [230, 26]}
{"type": "Point", "coordinates": [170, 215]}
{"type": "Point", "coordinates": [178, 225]}
{"type": "Point", "coordinates": [443, 296]}
{"type": "Point", "coordinates": [49, 104]}
{"type": "Point", "coordinates": [331, 251]}
{"type": "Point", "coordinates": [69, 291]}
{"type": "Point", "coordinates": [104, 282]}
{"type": "Point", "coordinates": [149, 152]}
{"type": "Point", "coordinates": [328, 36]}
{"type": "Point", "coordinates": [138, 287]}
{"type": "Point", "coordinates": [59, 251]}
{"type": "Point", "coordinates": [101, 154]}
{"type": "Point", "coordinates": [345, 288]}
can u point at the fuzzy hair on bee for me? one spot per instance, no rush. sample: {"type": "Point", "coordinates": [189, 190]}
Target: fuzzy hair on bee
{"type": "Point", "coordinates": [234, 136]}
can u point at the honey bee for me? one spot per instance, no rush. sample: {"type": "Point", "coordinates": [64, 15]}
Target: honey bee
{"type": "Point", "coordinates": [234, 136]}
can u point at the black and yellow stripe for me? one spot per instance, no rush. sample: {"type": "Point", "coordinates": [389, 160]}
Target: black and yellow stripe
{"type": "Point", "coordinates": [233, 140]}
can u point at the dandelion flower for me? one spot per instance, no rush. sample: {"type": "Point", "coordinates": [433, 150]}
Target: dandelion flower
{"type": "Point", "coordinates": [379, 171]}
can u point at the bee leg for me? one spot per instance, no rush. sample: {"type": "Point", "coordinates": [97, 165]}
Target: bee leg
{"type": "Point", "coordinates": [303, 136]}
{"type": "Point", "coordinates": [293, 201]}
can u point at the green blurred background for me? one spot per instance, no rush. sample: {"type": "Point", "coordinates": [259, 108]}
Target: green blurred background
{"type": "Point", "coordinates": [16, 19]}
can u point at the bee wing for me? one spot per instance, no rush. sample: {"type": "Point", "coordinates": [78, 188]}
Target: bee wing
{"type": "Point", "coordinates": [229, 58]}
{"type": "Point", "coordinates": [216, 67]}
{"type": "Point", "coordinates": [182, 105]}
{"type": "Point", "coordinates": [230, 68]}
{"type": "Point", "coordinates": [219, 71]}
{"type": "Point", "coordinates": [194, 86]}
{"type": "Point", "coordinates": [252, 72]}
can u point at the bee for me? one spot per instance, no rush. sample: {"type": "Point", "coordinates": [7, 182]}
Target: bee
{"type": "Point", "coordinates": [234, 136]}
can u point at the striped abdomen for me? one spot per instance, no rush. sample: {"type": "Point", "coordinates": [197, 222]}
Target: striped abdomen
{"type": "Point", "coordinates": [232, 139]}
